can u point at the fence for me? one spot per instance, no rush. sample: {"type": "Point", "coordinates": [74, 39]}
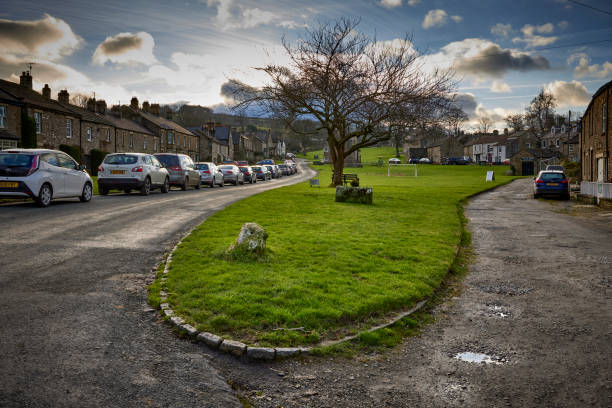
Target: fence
{"type": "Point", "coordinates": [600, 190]}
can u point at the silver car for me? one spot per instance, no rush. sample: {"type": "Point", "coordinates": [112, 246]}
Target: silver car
{"type": "Point", "coordinates": [132, 171]}
{"type": "Point", "coordinates": [181, 170]}
{"type": "Point", "coordinates": [232, 174]}
{"type": "Point", "coordinates": [42, 174]}
{"type": "Point", "coordinates": [210, 174]}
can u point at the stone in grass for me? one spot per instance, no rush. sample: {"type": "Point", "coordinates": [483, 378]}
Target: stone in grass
{"type": "Point", "coordinates": [285, 352]}
{"type": "Point", "coordinates": [189, 329]}
{"type": "Point", "coordinates": [211, 340]}
{"type": "Point", "coordinates": [234, 347]}
{"type": "Point", "coordinates": [168, 312]}
{"type": "Point", "coordinates": [164, 306]}
{"type": "Point", "coordinates": [260, 353]}
{"type": "Point", "coordinates": [252, 239]}
{"type": "Point", "coordinates": [360, 195]}
{"type": "Point", "coordinates": [177, 321]}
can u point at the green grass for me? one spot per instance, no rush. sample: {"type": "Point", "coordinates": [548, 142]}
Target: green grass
{"type": "Point", "coordinates": [332, 269]}
{"type": "Point", "coordinates": [370, 155]}
{"type": "Point", "coordinates": [310, 155]}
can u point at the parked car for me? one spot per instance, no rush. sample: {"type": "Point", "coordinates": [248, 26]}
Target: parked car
{"type": "Point", "coordinates": [249, 174]}
{"type": "Point", "coordinates": [266, 161]}
{"type": "Point", "coordinates": [395, 160]}
{"type": "Point", "coordinates": [42, 175]}
{"type": "Point", "coordinates": [456, 160]}
{"type": "Point", "coordinates": [232, 174]}
{"type": "Point", "coordinates": [181, 170]}
{"type": "Point", "coordinates": [551, 182]}
{"type": "Point", "coordinates": [262, 173]}
{"type": "Point", "coordinates": [242, 163]}
{"type": "Point", "coordinates": [424, 160]}
{"type": "Point", "coordinates": [284, 169]}
{"type": "Point", "coordinates": [132, 171]}
{"type": "Point", "coordinates": [273, 170]}
{"type": "Point", "coordinates": [210, 174]}
{"type": "Point", "coordinates": [414, 160]}
{"type": "Point", "coordinates": [555, 167]}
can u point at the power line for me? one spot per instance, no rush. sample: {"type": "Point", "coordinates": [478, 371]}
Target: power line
{"type": "Point", "coordinates": [591, 7]}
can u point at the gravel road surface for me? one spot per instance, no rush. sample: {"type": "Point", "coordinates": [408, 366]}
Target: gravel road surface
{"type": "Point", "coordinates": [536, 308]}
{"type": "Point", "coordinates": [75, 328]}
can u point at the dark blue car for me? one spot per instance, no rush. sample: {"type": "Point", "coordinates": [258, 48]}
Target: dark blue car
{"type": "Point", "coordinates": [551, 183]}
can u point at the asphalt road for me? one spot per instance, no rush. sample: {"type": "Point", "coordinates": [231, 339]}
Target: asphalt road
{"type": "Point", "coordinates": [537, 303]}
{"type": "Point", "coordinates": [75, 328]}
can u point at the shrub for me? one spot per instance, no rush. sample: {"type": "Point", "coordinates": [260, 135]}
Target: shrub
{"type": "Point", "coordinates": [97, 156]}
{"type": "Point", "coordinates": [72, 150]}
{"type": "Point", "coordinates": [28, 130]}
{"type": "Point", "coordinates": [355, 183]}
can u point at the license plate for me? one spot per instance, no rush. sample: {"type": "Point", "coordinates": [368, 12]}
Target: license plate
{"type": "Point", "coordinates": [7, 184]}
{"type": "Point", "coordinates": [117, 171]}
{"type": "Point", "coordinates": [552, 184]}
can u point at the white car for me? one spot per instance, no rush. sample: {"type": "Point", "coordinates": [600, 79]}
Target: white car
{"type": "Point", "coordinates": [395, 160]}
{"type": "Point", "coordinates": [425, 160]}
{"type": "Point", "coordinates": [132, 171]}
{"type": "Point", "coordinates": [42, 174]}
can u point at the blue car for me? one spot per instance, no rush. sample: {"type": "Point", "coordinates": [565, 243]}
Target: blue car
{"type": "Point", "coordinates": [267, 161]}
{"type": "Point", "coordinates": [551, 183]}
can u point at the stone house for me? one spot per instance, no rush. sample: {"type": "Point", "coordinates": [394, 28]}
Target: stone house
{"type": "Point", "coordinates": [55, 124]}
{"type": "Point", "coordinates": [595, 144]}
{"type": "Point", "coordinates": [210, 149]}
{"type": "Point", "coordinates": [489, 148]}
{"type": "Point", "coordinates": [223, 136]}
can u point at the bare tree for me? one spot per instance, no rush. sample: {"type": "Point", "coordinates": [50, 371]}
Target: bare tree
{"type": "Point", "coordinates": [79, 100]}
{"type": "Point", "coordinates": [516, 121]}
{"type": "Point", "coordinates": [357, 90]}
{"type": "Point", "coordinates": [484, 124]}
{"type": "Point", "coordinates": [455, 118]}
{"type": "Point", "coordinates": [539, 115]}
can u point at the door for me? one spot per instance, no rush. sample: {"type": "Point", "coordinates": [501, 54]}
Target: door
{"type": "Point", "coordinates": [527, 168]}
{"type": "Point", "coordinates": [56, 174]}
{"type": "Point", "coordinates": [73, 177]}
{"type": "Point", "coordinates": [156, 171]}
{"type": "Point", "coordinates": [601, 176]}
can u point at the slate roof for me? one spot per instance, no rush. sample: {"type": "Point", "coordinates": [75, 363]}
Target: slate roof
{"type": "Point", "coordinates": [26, 95]}
{"type": "Point", "coordinates": [222, 134]}
{"type": "Point", "coordinates": [127, 124]}
{"type": "Point", "coordinates": [87, 115]}
{"type": "Point", "coordinates": [164, 123]}
{"type": "Point", "coordinates": [236, 137]}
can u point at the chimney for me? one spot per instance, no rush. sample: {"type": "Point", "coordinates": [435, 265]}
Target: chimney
{"type": "Point", "coordinates": [63, 97]}
{"type": "Point", "coordinates": [134, 103]}
{"type": "Point", "coordinates": [25, 79]}
{"type": "Point", "coordinates": [101, 106]}
{"type": "Point", "coordinates": [46, 92]}
{"type": "Point", "coordinates": [496, 132]}
{"type": "Point", "coordinates": [145, 106]}
{"type": "Point", "coordinates": [154, 109]}
{"type": "Point", "coordinates": [505, 131]}
{"type": "Point", "coordinates": [169, 114]}
{"type": "Point", "coordinates": [91, 104]}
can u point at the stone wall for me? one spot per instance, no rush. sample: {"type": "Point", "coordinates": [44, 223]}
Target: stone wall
{"type": "Point", "coordinates": [595, 143]}
{"type": "Point", "coordinates": [53, 129]}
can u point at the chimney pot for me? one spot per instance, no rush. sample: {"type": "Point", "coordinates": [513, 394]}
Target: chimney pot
{"type": "Point", "coordinates": [63, 97]}
{"type": "Point", "coordinates": [154, 109]}
{"type": "Point", "coordinates": [101, 106]}
{"type": "Point", "coordinates": [91, 104]}
{"type": "Point", "coordinates": [46, 91]}
{"type": "Point", "coordinates": [134, 103]}
{"type": "Point", "coordinates": [145, 106]}
{"type": "Point", "coordinates": [25, 79]}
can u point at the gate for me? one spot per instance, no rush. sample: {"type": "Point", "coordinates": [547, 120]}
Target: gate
{"type": "Point", "coordinates": [527, 168]}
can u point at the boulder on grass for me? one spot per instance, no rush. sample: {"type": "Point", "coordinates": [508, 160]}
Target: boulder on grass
{"type": "Point", "coordinates": [252, 238]}
{"type": "Point", "coordinates": [361, 195]}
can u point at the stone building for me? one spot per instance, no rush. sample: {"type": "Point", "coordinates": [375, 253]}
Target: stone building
{"type": "Point", "coordinates": [595, 143]}
{"type": "Point", "coordinates": [210, 149]}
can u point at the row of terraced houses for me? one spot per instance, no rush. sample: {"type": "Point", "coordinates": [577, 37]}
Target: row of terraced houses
{"type": "Point", "coordinates": [121, 128]}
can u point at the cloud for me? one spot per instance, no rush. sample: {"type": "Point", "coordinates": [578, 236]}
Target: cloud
{"type": "Point", "coordinates": [562, 25]}
{"type": "Point", "coordinates": [232, 16]}
{"type": "Point", "coordinates": [457, 19]}
{"type": "Point", "coordinates": [49, 38]}
{"type": "Point", "coordinates": [531, 36]}
{"type": "Point", "coordinates": [467, 103]}
{"type": "Point", "coordinates": [413, 3]}
{"type": "Point", "coordinates": [435, 18]}
{"type": "Point", "coordinates": [390, 3]}
{"type": "Point", "coordinates": [500, 87]}
{"type": "Point", "coordinates": [583, 69]}
{"type": "Point", "coordinates": [126, 48]}
{"type": "Point", "coordinates": [393, 46]}
{"type": "Point", "coordinates": [501, 30]}
{"type": "Point", "coordinates": [477, 57]}
{"type": "Point", "coordinates": [569, 93]}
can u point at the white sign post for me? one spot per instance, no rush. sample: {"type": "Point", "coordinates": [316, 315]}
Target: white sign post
{"type": "Point", "coordinates": [490, 176]}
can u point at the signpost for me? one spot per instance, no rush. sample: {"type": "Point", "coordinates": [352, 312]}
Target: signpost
{"type": "Point", "coordinates": [490, 176]}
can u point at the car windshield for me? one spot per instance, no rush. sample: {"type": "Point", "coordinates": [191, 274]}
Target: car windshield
{"type": "Point", "coordinates": [120, 159]}
{"type": "Point", "coordinates": [226, 167]}
{"type": "Point", "coordinates": [15, 160]}
{"type": "Point", "coordinates": [202, 166]}
{"type": "Point", "coordinates": [168, 159]}
{"type": "Point", "coordinates": [256, 168]}
{"type": "Point", "coordinates": [552, 176]}
{"type": "Point", "coordinates": [269, 167]}
{"type": "Point", "coordinates": [243, 169]}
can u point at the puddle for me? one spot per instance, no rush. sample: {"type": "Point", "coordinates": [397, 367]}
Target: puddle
{"type": "Point", "coordinates": [477, 358]}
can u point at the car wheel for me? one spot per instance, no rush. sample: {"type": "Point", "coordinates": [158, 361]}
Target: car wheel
{"type": "Point", "coordinates": [166, 186]}
{"type": "Point", "coordinates": [146, 187]}
{"type": "Point", "coordinates": [45, 195]}
{"type": "Point", "coordinates": [242, 182]}
{"type": "Point", "coordinates": [222, 183]}
{"type": "Point", "coordinates": [185, 182]}
{"type": "Point", "coordinates": [212, 185]}
{"type": "Point", "coordinates": [102, 190]}
{"type": "Point", "coordinates": [87, 193]}
{"type": "Point", "coordinates": [197, 186]}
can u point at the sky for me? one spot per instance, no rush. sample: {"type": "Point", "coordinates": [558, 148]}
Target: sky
{"type": "Point", "coordinates": [502, 52]}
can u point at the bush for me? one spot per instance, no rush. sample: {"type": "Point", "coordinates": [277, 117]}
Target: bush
{"type": "Point", "coordinates": [355, 183]}
{"type": "Point", "coordinates": [72, 150]}
{"type": "Point", "coordinates": [572, 169]}
{"type": "Point", "coordinates": [28, 130]}
{"type": "Point", "coordinates": [97, 156]}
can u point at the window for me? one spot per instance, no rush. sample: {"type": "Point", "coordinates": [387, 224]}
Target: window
{"type": "Point", "coordinates": [184, 141]}
{"type": "Point", "coordinates": [604, 117]}
{"type": "Point", "coordinates": [170, 138]}
{"type": "Point", "coordinates": [68, 128]}
{"type": "Point", "coordinates": [2, 116]}
{"type": "Point", "coordinates": [37, 121]}
{"type": "Point", "coordinates": [131, 139]}
{"type": "Point", "coordinates": [50, 158]}
{"type": "Point", "coordinates": [107, 134]}
{"type": "Point", "coordinates": [144, 142]}
{"type": "Point", "coordinates": [89, 134]}
{"type": "Point", "coordinates": [7, 144]}
{"type": "Point", "coordinates": [66, 161]}
{"type": "Point", "coordinates": [571, 148]}
{"type": "Point", "coordinates": [557, 143]}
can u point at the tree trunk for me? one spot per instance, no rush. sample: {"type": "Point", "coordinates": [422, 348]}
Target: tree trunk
{"type": "Point", "coordinates": [336, 155]}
